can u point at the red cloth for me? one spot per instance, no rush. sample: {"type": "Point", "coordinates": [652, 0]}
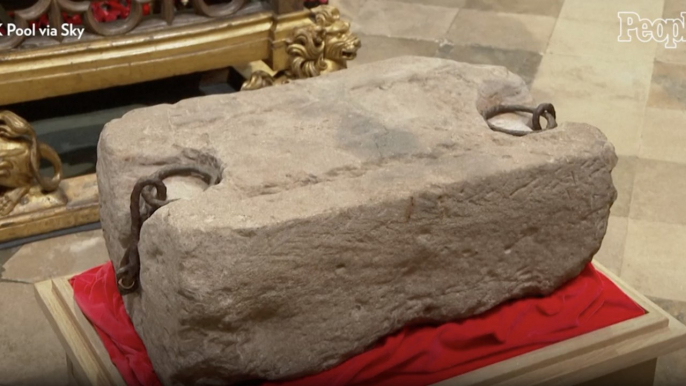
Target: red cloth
{"type": "Point", "coordinates": [414, 356]}
{"type": "Point", "coordinates": [96, 294]}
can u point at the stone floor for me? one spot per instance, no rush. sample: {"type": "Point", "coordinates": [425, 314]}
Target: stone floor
{"type": "Point", "coordinates": [567, 51]}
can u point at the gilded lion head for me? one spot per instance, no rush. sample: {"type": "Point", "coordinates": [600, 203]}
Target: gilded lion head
{"type": "Point", "coordinates": [341, 45]}
{"type": "Point", "coordinates": [324, 47]}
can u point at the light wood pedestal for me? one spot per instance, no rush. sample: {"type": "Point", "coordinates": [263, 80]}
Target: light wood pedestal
{"type": "Point", "coordinates": [623, 354]}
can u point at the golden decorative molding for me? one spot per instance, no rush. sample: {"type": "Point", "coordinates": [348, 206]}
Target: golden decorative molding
{"type": "Point", "coordinates": [31, 203]}
{"type": "Point", "coordinates": [54, 9]}
{"type": "Point", "coordinates": [260, 79]}
{"type": "Point", "coordinates": [61, 69]}
{"type": "Point", "coordinates": [254, 34]}
{"type": "Point", "coordinates": [325, 46]}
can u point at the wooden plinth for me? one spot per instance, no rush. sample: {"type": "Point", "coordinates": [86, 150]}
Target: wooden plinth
{"type": "Point", "coordinates": [623, 354]}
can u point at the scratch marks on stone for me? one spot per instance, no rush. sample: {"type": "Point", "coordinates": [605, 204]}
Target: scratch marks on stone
{"type": "Point", "coordinates": [409, 210]}
{"type": "Point", "coordinates": [569, 194]}
{"type": "Point", "coordinates": [526, 233]}
{"type": "Point", "coordinates": [595, 211]}
{"type": "Point", "coordinates": [524, 187]}
{"type": "Point", "coordinates": [349, 171]}
{"type": "Point", "coordinates": [376, 143]}
{"type": "Point", "coordinates": [492, 196]}
{"type": "Point", "coordinates": [169, 121]}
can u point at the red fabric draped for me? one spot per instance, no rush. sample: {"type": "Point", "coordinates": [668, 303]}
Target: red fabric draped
{"type": "Point", "coordinates": [413, 356]}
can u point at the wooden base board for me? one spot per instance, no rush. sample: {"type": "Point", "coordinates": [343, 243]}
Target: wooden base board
{"type": "Point", "coordinates": [82, 207]}
{"type": "Point", "coordinates": [589, 356]}
{"type": "Point", "coordinates": [642, 374]}
{"type": "Point", "coordinates": [610, 355]}
{"type": "Point", "coordinates": [90, 362]}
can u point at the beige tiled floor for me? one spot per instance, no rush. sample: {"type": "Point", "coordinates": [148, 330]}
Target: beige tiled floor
{"type": "Point", "coordinates": [660, 140]}
{"type": "Point", "coordinates": [596, 39]}
{"type": "Point", "coordinates": [567, 51]}
{"type": "Point", "coordinates": [516, 31]}
{"type": "Point", "coordinates": [30, 353]}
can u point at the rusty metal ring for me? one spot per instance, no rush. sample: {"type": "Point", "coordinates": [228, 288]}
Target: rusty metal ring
{"type": "Point", "coordinates": [205, 174]}
{"type": "Point", "coordinates": [160, 197]}
{"type": "Point", "coordinates": [546, 110]}
{"type": "Point", "coordinates": [128, 274]}
{"type": "Point", "coordinates": [121, 285]}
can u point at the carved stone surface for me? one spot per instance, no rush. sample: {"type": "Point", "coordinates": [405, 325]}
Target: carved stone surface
{"type": "Point", "coordinates": [350, 205]}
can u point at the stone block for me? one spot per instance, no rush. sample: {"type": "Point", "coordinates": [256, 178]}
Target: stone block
{"type": "Point", "coordinates": [350, 205]}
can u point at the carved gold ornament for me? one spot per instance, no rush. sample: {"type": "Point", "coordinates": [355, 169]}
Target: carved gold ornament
{"type": "Point", "coordinates": [20, 156]}
{"type": "Point", "coordinates": [325, 46]}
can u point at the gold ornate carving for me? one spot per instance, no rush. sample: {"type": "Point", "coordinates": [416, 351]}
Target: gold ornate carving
{"type": "Point", "coordinates": [325, 46]}
{"type": "Point", "coordinates": [260, 79]}
{"type": "Point", "coordinates": [31, 203]}
{"type": "Point", "coordinates": [20, 156]}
